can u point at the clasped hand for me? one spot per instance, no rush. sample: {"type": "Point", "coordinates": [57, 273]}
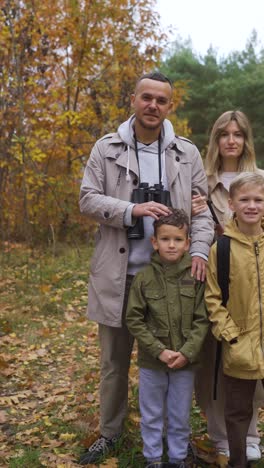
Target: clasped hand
{"type": "Point", "coordinates": [173, 359]}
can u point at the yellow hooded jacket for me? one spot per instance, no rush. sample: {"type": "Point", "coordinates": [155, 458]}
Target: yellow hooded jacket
{"type": "Point", "coordinates": [243, 317]}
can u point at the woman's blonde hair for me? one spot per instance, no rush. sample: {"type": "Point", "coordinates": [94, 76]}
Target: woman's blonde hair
{"type": "Point", "coordinates": [247, 161]}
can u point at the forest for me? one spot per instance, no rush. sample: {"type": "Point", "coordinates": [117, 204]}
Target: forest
{"type": "Point", "coordinates": [67, 71]}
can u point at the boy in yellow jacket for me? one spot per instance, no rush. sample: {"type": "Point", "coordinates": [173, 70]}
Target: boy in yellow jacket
{"type": "Point", "coordinates": [240, 325]}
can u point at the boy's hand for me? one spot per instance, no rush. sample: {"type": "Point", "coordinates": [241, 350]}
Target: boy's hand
{"type": "Point", "coordinates": [177, 361]}
{"type": "Point", "coordinates": [173, 359]}
{"type": "Point", "coordinates": [167, 355]}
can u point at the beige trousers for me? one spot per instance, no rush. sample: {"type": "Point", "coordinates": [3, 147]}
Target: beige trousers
{"type": "Point", "coordinates": [116, 347]}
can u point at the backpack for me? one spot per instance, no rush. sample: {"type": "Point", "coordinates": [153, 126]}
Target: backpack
{"type": "Point", "coordinates": [223, 267]}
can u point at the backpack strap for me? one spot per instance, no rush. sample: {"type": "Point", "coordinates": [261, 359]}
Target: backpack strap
{"type": "Point", "coordinates": [223, 268]}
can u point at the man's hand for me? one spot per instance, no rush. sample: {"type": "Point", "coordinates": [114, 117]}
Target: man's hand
{"type": "Point", "coordinates": [177, 361]}
{"type": "Point", "coordinates": [199, 268]}
{"type": "Point", "coordinates": [150, 209]}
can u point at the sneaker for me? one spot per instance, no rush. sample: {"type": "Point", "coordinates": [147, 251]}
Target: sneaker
{"type": "Point", "coordinates": [97, 450]}
{"type": "Point", "coordinates": [253, 452]}
{"type": "Point", "coordinates": [224, 452]}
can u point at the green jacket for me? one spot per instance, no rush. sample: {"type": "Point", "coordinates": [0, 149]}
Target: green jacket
{"type": "Point", "coordinates": [166, 310]}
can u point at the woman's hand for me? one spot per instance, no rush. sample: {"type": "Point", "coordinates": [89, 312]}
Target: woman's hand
{"type": "Point", "coordinates": [199, 204]}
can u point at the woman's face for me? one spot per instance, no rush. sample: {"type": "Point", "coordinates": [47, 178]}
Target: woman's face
{"type": "Point", "coordinates": [231, 142]}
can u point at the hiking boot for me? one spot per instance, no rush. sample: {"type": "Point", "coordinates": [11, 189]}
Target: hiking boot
{"type": "Point", "coordinates": [97, 450]}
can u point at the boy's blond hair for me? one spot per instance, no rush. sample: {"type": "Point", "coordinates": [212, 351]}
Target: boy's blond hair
{"type": "Point", "coordinates": [245, 178]}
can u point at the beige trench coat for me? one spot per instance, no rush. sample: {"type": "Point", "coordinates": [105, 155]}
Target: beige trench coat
{"type": "Point", "coordinates": [105, 195]}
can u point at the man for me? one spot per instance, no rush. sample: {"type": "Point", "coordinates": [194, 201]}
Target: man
{"type": "Point", "coordinates": [145, 149]}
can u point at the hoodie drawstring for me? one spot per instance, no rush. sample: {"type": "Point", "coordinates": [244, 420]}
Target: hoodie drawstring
{"type": "Point", "coordinates": [127, 168]}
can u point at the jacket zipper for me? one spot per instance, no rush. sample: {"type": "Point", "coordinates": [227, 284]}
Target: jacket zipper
{"type": "Point", "coordinates": [256, 247]}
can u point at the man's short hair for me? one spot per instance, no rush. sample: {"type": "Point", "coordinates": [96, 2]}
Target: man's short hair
{"type": "Point", "coordinates": [246, 178]}
{"type": "Point", "coordinates": [177, 218]}
{"type": "Point", "coordinates": [156, 76]}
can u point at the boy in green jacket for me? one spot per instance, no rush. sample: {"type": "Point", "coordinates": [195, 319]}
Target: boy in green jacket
{"type": "Point", "coordinates": [167, 316]}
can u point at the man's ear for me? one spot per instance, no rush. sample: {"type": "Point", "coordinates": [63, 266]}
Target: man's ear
{"type": "Point", "coordinates": [132, 100]}
{"type": "Point", "coordinates": [154, 243]}
{"type": "Point", "coordinates": [171, 107]}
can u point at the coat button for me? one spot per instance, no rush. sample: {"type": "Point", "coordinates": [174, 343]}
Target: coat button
{"type": "Point", "coordinates": [135, 182]}
{"type": "Point", "coordinates": [106, 214]}
{"type": "Point", "coordinates": [122, 250]}
{"type": "Point", "coordinates": [177, 158]}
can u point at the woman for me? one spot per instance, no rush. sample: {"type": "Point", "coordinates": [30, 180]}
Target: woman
{"type": "Point", "coordinates": [230, 151]}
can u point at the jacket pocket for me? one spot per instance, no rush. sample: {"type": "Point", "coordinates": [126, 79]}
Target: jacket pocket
{"type": "Point", "coordinates": [156, 302]}
{"type": "Point", "coordinates": [187, 302]}
{"type": "Point", "coordinates": [239, 355]}
{"type": "Point", "coordinates": [162, 334]}
{"type": "Point", "coordinates": [158, 332]}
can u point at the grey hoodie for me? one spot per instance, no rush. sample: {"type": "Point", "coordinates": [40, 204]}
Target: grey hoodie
{"type": "Point", "coordinates": [140, 250]}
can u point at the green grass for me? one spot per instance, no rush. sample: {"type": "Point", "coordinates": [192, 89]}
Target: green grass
{"type": "Point", "coordinates": [28, 459]}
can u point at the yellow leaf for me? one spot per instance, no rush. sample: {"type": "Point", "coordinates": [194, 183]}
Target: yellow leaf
{"type": "Point", "coordinates": [47, 421]}
{"type": "Point", "coordinates": [67, 436]}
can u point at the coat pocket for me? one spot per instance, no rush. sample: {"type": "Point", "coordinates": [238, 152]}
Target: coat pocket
{"type": "Point", "coordinates": [239, 355]}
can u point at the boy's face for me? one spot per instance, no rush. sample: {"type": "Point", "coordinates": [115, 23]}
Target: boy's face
{"type": "Point", "coordinates": [248, 204]}
{"type": "Point", "coordinates": [171, 242]}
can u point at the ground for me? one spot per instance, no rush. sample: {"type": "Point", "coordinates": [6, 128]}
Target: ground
{"type": "Point", "coordinates": [49, 365]}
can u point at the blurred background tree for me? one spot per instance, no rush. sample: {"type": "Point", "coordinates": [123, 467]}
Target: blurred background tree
{"type": "Point", "coordinates": [67, 71]}
{"type": "Point", "coordinates": [234, 82]}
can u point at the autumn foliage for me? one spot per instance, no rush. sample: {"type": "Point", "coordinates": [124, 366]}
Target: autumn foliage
{"type": "Point", "coordinates": [66, 74]}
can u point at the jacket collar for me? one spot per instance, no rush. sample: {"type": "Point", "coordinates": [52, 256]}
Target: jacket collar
{"type": "Point", "coordinates": [213, 182]}
{"type": "Point", "coordinates": [172, 268]}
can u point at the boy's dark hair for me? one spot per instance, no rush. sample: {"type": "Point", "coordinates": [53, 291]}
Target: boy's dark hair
{"type": "Point", "coordinates": [177, 218]}
{"type": "Point", "coordinates": [156, 76]}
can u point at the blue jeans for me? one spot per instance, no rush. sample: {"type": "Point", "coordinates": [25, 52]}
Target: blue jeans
{"type": "Point", "coordinates": [161, 392]}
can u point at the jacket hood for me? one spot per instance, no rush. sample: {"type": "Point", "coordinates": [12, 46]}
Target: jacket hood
{"type": "Point", "coordinates": [172, 268]}
{"type": "Point", "coordinates": [126, 133]}
{"type": "Point", "coordinates": [232, 231]}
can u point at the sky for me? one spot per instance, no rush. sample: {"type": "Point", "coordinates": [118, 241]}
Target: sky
{"type": "Point", "coordinates": [225, 24]}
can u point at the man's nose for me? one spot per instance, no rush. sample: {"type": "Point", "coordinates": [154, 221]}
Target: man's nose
{"type": "Point", "coordinates": [153, 103]}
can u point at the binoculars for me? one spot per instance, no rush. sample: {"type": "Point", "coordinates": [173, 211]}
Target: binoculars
{"type": "Point", "coordinates": [145, 193]}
